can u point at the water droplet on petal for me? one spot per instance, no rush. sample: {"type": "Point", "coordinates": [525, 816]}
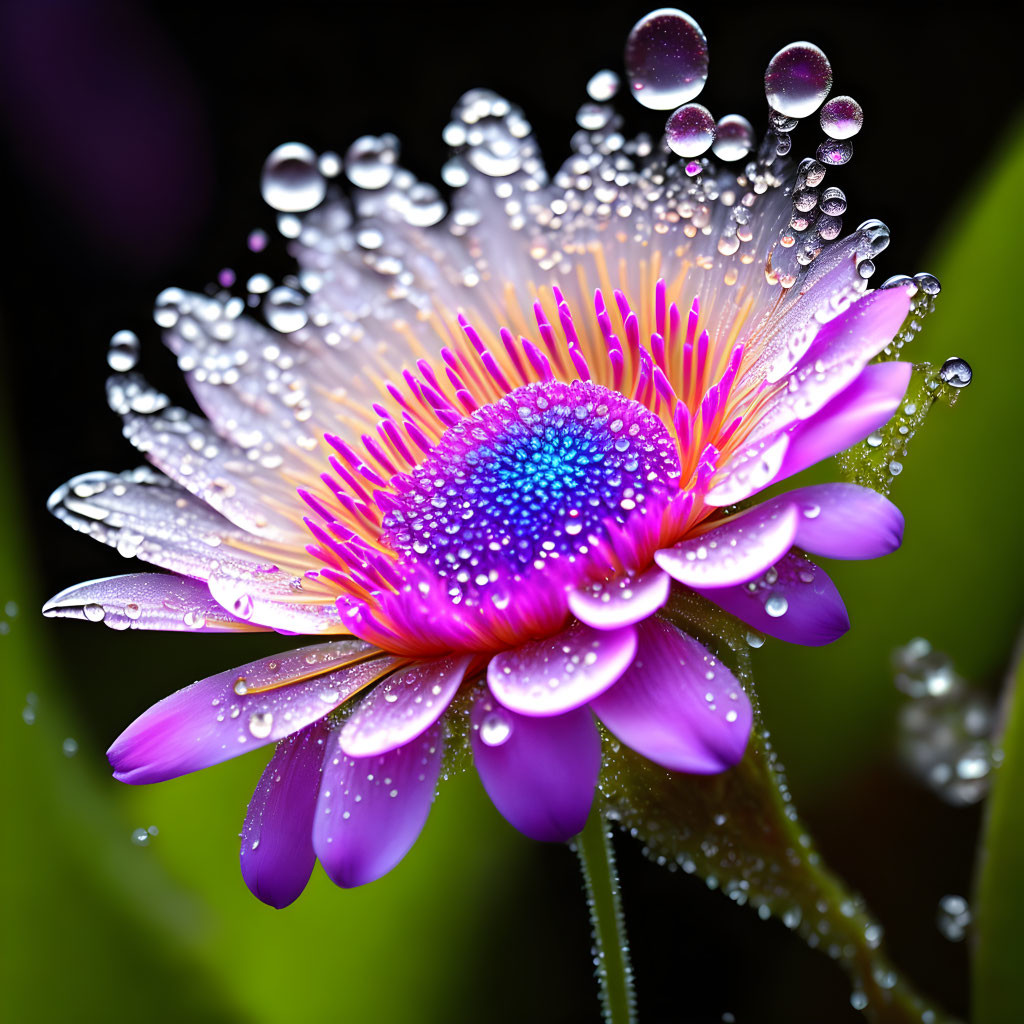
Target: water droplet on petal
{"type": "Point", "coordinates": [291, 181]}
{"type": "Point", "coordinates": [666, 59]}
{"type": "Point", "coordinates": [776, 605]}
{"type": "Point", "coordinates": [690, 130]}
{"type": "Point", "coordinates": [285, 309]}
{"type": "Point", "coordinates": [797, 79]}
{"type": "Point", "coordinates": [260, 724]}
{"type": "Point", "coordinates": [495, 729]}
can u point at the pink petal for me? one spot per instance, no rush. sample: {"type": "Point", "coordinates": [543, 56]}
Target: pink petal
{"type": "Point", "coordinates": [540, 773]}
{"type": "Point", "coordinates": [794, 601]}
{"type": "Point", "coordinates": [848, 418]}
{"type": "Point", "coordinates": [403, 707]}
{"type": "Point", "coordinates": [555, 675]}
{"type": "Point", "coordinates": [277, 838]}
{"type": "Point", "coordinates": [842, 520]}
{"type": "Point", "coordinates": [622, 601]}
{"type": "Point", "coordinates": [677, 704]}
{"type": "Point", "coordinates": [372, 809]}
{"type": "Point", "coordinates": [244, 708]}
{"type": "Point", "coordinates": [146, 601]}
{"type": "Point", "coordinates": [734, 550]}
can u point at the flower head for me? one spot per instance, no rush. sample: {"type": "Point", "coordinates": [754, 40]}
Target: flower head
{"type": "Point", "coordinates": [481, 450]}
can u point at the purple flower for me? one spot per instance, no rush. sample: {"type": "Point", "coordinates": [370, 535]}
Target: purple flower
{"type": "Point", "coordinates": [489, 522]}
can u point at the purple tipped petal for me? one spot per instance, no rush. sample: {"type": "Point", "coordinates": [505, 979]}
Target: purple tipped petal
{"type": "Point", "coordinates": [277, 837]}
{"type": "Point", "coordinates": [734, 551]}
{"type": "Point", "coordinates": [677, 704]}
{"type": "Point", "coordinates": [146, 601]}
{"type": "Point", "coordinates": [622, 601]}
{"type": "Point", "coordinates": [794, 601]}
{"type": "Point", "coordinates": [403, 707]}
{"type": "Point", "coordinates": [539, 772]}
{"type": "Point", "coordinates": [372, 809]}
{"type": "Point", "coordinates": [842, 520]}
{"type": "Point", "coordinates": [555, 675]}
{"type": "Point", "coordinates": [244, 708]}
{"type": "Point", "coordinates": [861, 408]}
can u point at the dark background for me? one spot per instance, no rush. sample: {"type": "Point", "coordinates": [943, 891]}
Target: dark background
{"type": "Point", "coordinates": [133, 138]}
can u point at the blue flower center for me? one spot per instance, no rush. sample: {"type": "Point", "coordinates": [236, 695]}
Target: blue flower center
{"type": "Point", "coordinates": [541, 474]}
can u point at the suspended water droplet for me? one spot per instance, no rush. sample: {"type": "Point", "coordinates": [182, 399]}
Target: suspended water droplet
{"type": "Point", "coordinates": [370, 161]}
{"type": "Point", "coordinates": [690, 131]}
{"type": "Point", "coordinates": [291, 181]}
{"type": "Point", "coordinates": [833, 201]}
{"type": "Point", "coordinates": [260, 724]}
{"type": "Point", "coordinates": [123, 351]}
{"type": "Point", "coordinates": [603, 86]}
{"type": "Point", "coordinates": [835, 152]}
{"type": "Point", "coordinates": [797, 79]}
{"type": "Point", "coordinates": [285, 309]}
{"type": "Point", "coordinates": [842, 117]}
{"type": "Point", "coordinates": [140, 837]}
{"type": "Point", "coordinates": [734, 138]}
{"type": "Point", "coordinates": [495, 729]}
{"type": "Point", "coordinates": [956, 372]}
{"type": "Point", "coordinates": [666, 59]}
{"type": "Point", "coordinates": [953, 917]}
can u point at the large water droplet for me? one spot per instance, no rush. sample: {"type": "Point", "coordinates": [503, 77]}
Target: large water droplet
{"type": "Point", "coordinates": [370, 161]}
{"type": "Point", "coordinates": [690, 130]}
{"type": "Point", "coordinates": [734, 138]}
{"type": "Point", "coordinates": [666, 59]}
{"type": "Point", "coordinates": [842, 117]}
{"type": "Point", "coordinates": [495, 729]}
{"type": "Point", "coordinates": [776, 606]}
{"type": "Point", "coordinates": [797, 79]}
{"type": "Point", "coordinates": [285, 309]}
{"type": "Point", "coordinates": [956, 372]}
{"type": "Point", "coordinates": [291, 181]}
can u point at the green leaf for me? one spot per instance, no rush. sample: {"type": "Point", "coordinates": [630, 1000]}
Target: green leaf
{"type": "Point", "coordinates": [998, 995]}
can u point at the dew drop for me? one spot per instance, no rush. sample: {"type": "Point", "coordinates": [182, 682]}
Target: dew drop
{"type": "Point", "coordinates": [956, 372]}
{"type": "Point", "coordinates": [285, 309]}
{"type": "Point", "coordinates": [833, 201]}
{"type": "Point", "coordinates": [495, 729]}
{"type": "Point", "coordinates": [140, 837]}
{"type": "Point", "coordinates": [603, 86]}
{"type": "Point", "coordinates": [690, 131]}
{"type": "Point", "coordinates": [776, 606]}
{"type": "Point", "coordinates": [797, 79]}
{"type": "Point", "coordinates": [260, 724]}
{"type": "Point", "coordinates": [666, 59]}
{"type": "Point", "coordinates": [291, 181]}
{"type": "Point", "coordinates": [953, 917]}
{"type": "Point", "coordinates": [123, 351]}
{"type": "Point", "coordinates": [734, 138]}
{"type": "Point", "coordinates": [842, 117]}
{"type": "Point", "coordinates": [69, 746]}
{"type": "Point", "coordinates": [94, 612]}
{"type": "Point", "coordinates": [370, 161]}
{"type": "Point", "coordinates": [835, 152]}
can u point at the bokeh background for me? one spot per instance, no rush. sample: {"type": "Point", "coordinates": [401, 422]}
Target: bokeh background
{"type": "Point", "coordinates": [133, 134]}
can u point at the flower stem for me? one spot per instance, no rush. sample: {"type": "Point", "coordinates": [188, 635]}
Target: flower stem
{"type": "Point", "coordinates": [611, 947]}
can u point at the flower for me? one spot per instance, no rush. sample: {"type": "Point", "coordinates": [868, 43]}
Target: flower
{"type": "Point", "coordinates": [491, 521]}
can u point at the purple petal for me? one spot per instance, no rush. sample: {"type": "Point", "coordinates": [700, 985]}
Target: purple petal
{"type": "Point", "coordinates": [539, 772]}
{"type": "Point", "coordinates": [735, 550]}
{"type": "Point", "coordinates": [842, 520]}
{"type": "Point", "coordinates": [273, 597]}
{"type": "Point", "coordinates": [146, 601]}
{"type": "Point", "coordinates": [622, 601]}
{"type": "Point", "coordinates": [853, 414]}
{"type": "Point", "coordinates": [555, 675]}
{"type": "Point", "coordinates": [403, 707]}
{"type": "Point", "coordinates": [794, 601]}
{"type": "Point", "coordinates": [244, 708]}
{"type": "Point", "coordinates": [277, 838]}
{"type": "Point", "coordinates": [372, 809]}
{"type": "Point", "coordinates": [677, 704]}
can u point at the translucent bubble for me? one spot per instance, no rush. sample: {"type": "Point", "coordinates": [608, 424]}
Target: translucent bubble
{"type": "Point", "coordinates": [666, 59]}
{"type": "Point", "coordinates": [734, 138]}
{"type": "Point", "coordinates": [370, 161]}
{"type": "Point", "coordinates": [690, 131]}
{"type": "Point", "coordinates": [291, 181]}
{"type": "Point", "coordinates": [835, 152]}
{"type": "Point", "coordinates": [285, 309]}
{"type": "Point", "coordinates": [842, 117]}
{"type": "Point", "coordinates": [833, 201]}
{"type": "Point", "coordinates": [603, 86]}
{"type": "Point", "coordinates": [956, 372]}
{"type": "Point", "coordinates": [797, 79]}
{"type": "Point", "coordinates": [123, 351]}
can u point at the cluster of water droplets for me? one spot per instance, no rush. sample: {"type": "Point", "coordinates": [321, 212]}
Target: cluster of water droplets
{"type": "Point", "coordinates": [946, 727]}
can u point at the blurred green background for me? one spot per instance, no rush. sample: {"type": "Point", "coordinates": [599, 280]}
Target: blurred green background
{"type": "Point", "coordinates": [478, 923]}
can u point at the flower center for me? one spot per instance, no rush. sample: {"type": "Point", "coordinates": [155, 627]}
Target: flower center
{"type": "Point", "coordinates": [543, 473]}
